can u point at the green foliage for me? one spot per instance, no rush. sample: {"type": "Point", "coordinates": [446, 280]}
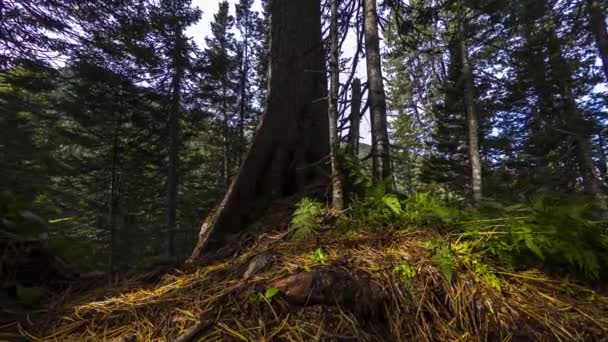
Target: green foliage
{"type": "Point", "coordinates": [305, 218]}
{"type": "Point", "coordinates": [270, 293]}
{"type": "Point", "coordinates": [557, 233]}
{"type": "Point", "coordinates": [319, 257]}
{"type": "Point", "coordinates": [405, 271]}
{"type": "Point", "coordinates": [443, 258]}
{"type": "Point", "coordinates": [376, 208]}
{"type": "Point", "coordinates": [483, 274]}
{"type": "Point", "coordinates": [427, 209]}
{"type": "Point", "coordinates": [267, 296]}
{"type": "Point", "coordinates": [356, 178]}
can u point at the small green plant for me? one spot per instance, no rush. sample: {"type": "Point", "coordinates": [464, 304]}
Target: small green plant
{"type": "Point", "coordinates": [270, 293]}
{"type": "Point", "coordinates": [267, 296]}
{"type": "Point", "coordinates": [405, 271]}
{"type": "Point", "coordinates": [483, 274]}
{"type": "Point", "coordinates": [443, 259]}
{"type": "Point", "coordinates": [376, 208]}
{"type": "Point", "coordinates": [305, 218]}
{"type": "Point", "coordinates": [319, 257]}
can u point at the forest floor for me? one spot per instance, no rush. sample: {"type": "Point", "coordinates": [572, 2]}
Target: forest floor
{"type": "Point", "coordinates": [357, 286]}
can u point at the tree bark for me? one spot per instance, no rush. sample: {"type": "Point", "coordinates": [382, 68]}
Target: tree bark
{"type": "Point", "coordinates": [472, 118]}
{"type": "Point", "coordinates": [597, 25]}
{"type": "Point", "coordinates": [355, 118]}
{"type": "Point", "coordinates": [334, 141]}
{"type": "Point", "coordinates": [381, 167]}
{"type": "Point", "coordinates": [292, 138]}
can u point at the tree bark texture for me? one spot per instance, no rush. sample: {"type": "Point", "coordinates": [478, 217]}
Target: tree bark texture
{"type": "Point", "coordinates": [472, 118]}
{"type": "Point", "coordinates": [291, 142]}
{"type": "Point", "coordinates": [381, 166]}
{"type": "Point", "coordinates": [355, 118]}
{"type": "Point", "coordinates": [337, 194]}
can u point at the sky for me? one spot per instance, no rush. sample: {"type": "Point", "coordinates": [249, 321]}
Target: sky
{"type": "Point", "coordinates": [202, 29]}
{"type": "Point", "coordinates": [209, 7]}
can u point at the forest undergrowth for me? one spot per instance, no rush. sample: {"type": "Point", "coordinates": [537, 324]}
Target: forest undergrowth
{"type": "Point", "coordinates": [384, 270]}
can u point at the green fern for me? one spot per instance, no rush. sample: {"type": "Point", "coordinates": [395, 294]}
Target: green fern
{"type": "Point", "coordinates": [305, 218]}
{"type": "Point", "coordinates": [443, 259]}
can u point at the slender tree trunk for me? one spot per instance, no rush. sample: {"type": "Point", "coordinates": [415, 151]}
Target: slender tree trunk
{"type": "Point", "coordinates": [334, 141]}
{"type": "Point", "coordinates": [472, 118]}
{"type": "Point", "coordinates": [597, 24]}
{"type": "Point", "coordinates": [381, 167]}
{"type": "Point", "coordinates": [113, 202]}
{"type": "Point", "coordinates": [243, 85]}
{"type": "Point", "coordinates": [174, 142]}
{"type": "Point", "coordinates": [292, 139]}
{"type": "Point", "coordinates": [226, 142]}
{"type": "Point", "coordinates": [355, 118]}
{"type": "Point", "coordinates": [573, 120]}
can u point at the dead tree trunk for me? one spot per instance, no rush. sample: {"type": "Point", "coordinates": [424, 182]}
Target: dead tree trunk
{"type": "Point", "coordinates": [291, 141]}
{"type": "Point", "coordinates": [597, 24]}
{"type": "Point", "coordinates": [337, 194]}
{"type": "Point", "coordinates": [355, 118]}
{"type": "Point", "coordinates": [381, 166]}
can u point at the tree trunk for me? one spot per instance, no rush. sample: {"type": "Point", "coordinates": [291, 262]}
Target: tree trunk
{"type": "Point", "coordinates": [226, 142]}
{"type": "Point", "coordinates": [597, 24]}
{"type": "Point", "coordinates": [174, 141]}
{"type": "Point", "coordinates": [355, 118]}
{"type": "Point", "coordinates": [381, 167]}
{"type": "Point", "coordinates": [337, 194]}
{"type": "Point", "coordinates": [243, 86]}
{"type": "Point", "coordinates": [113, 201]}
{"type": "Point", "coordinates": [292, 138]}
{"type": "Point", "coordinates": [472, 118]}
{"type": "Point", "coordinates": [572, 119]}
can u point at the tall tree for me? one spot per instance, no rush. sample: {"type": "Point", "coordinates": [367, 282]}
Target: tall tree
{"type": "Point", "coordinates": [172, 18]}
{"type": "Point", "coordinates": [334, 84]}
{"type": "Point", "coordinates": [597, 26]}
{"type": "Point", "coordinates": [292, 138]}
{"type": "Point", "coordinates": [471, 111]}
{"type": "Point", "coordinates": [572, 119]}
{"type": "Point", "coordinates": [221, 90]}
{"type": "Point", "coordinates": [247, 24]}
{"type": "Point", "coordinates": [381, 163]}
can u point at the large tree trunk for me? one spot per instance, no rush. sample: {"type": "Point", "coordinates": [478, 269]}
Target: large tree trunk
{"type": "Point", "coordinates": [355, 118]}
{"type": "Point", "coordinates": [334, 142]}
{"type": "Point", "coordinates": [381, 166]}
{"type": "Point", "coordinates": [472, 118]}
{"type": "Point", "coordinates": [292, 139]}
{"type": "Point", "coordinates": [597, 24]}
